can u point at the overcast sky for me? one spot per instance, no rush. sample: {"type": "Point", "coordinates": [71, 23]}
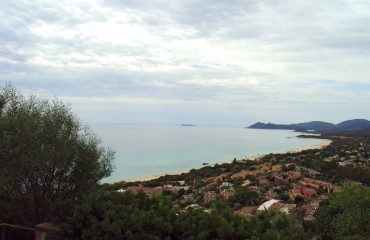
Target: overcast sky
{"type": "Point", "coordinates": [211, 62]}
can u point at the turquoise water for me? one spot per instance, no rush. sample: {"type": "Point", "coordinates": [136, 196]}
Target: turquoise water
{"type": "Point", "coordinates": [145, 150]}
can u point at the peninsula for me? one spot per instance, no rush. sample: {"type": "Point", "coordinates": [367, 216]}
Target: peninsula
{"type": "Point", "coordinates": [354, 124]}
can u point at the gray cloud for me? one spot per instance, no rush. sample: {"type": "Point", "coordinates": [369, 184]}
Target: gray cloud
{"type": "Point", "coordinates": [252, 56]}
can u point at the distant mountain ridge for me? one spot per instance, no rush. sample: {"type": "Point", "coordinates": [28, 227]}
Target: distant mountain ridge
{"type": "Point", "coordinates": [354, 124]}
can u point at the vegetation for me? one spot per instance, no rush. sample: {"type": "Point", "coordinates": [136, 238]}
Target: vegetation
{"type": "Point", "coordinates": [112, 215]}
{"type": "Point", "coordinates": [345, 214]}
{"type": "Point", "coordinates": [129, 216]}
{"type": "Point", "coordinates": [47, 158]}
{"type": "Point", "coordinates": [275, 225]}
{"type": "Point", "coordinates": [244, 197]}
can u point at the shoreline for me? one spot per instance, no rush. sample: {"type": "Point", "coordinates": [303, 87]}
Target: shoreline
{"type": "Point", "coordinates": [325, 143]}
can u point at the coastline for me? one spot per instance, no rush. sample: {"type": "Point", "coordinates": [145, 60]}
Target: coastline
{"type": "Point", "coordinates": [325, 143]}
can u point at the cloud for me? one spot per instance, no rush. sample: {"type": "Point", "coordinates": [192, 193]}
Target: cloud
{"type": "Point", "coordinates": [255, 56]}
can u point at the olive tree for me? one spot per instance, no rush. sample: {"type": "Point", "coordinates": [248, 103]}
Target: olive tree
{"type": "Point", "coordinates": [47, 157]}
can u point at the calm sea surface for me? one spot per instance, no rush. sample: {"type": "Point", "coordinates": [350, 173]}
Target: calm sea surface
{"type": "Point", "coordinates": [145, 150]}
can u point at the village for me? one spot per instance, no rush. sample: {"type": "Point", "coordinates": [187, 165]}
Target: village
{"type": "Point", "coordinates": [284, 182]}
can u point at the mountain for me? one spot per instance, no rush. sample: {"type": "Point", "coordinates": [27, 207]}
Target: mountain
{"type": "Point", "coordinates": [354, 124]}
{"type": "Point", "coordinates": [260, 125]}
{"type": "Point", "coordinates": [314, 125]}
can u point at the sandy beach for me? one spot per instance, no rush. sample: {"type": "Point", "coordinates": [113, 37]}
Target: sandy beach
{"type": "Point", "coordinates": [326, 142]}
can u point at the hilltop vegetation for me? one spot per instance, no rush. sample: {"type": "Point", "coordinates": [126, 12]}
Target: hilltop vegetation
{"type": "Point", "coordinates": [112, 215]}
{"type": "Point", "coordinates": [354, 124]}
{"type": "Point", "coordinates": [47, 158]}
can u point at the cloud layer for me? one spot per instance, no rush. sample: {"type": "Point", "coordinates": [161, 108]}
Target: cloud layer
{"type": "Point", "coordinates": [205, 62]}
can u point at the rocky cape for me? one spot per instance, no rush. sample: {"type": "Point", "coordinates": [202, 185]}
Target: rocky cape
{"type": "Point", "coordinates": [354, 124]}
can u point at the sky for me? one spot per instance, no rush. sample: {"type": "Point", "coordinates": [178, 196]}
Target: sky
{"type": "Point", "coordinates": [206, 62]}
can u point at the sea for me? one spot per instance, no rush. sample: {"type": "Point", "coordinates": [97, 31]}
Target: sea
{"type": "Point", "coordinates": [147, 150]}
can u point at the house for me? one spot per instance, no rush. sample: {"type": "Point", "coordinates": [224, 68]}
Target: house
{"type": "Point", "coordinates": [192, 206]}
{"type": "Point", "coordinates": [261, 180]}
{"type": "Point", "coordinates": [253, 188]}
{"type": "Point", "coordinates": [346, 163]}
{"type": "Point", "coordinates": [277, 178]}
{"type": "Point", "coordinates": [225, 194]}
{"type": "Point", "coordinates": [293, 193]}
{"type": "Point", "coordinates": [187, 198]}
{"type": "Point", "coordinates": [303, 190]}
{"type": "Point", "coordinates": [121, 190]}
{"type": "Point", "coordinates": [310, 210]}
{"type": "Point", "coordinates": [218, 178]}
{"type": "Point", "coordinates": [178, 188]}
{"type": "Point", "coordinates": [242, 174]}
{"type": "Point", "coordinates": [328, 187]}
{"type": "Point", "coordinates": [309, 192]}
{"type": "Point", "coordinates": [277, 168]}
{"type": "Point", "coordinates": [294, 175]}
{"type": "Point", "coordinates": [288, 208]}
{"type": "Point", "coordinates": [270, 204]}
{"type": "Point", "coordinates": [267, 195]}
{"type": "Point", "coordinates": [182, 182]}
{"type": "Point", "coordinates": [246, 211]}
{"type": "Point", "coordinates": [209, 196]}
{"type": "Point", "coordinates": [148, 190]}
{"type": "Point", "coordinates": [311, 172]}
{"type": "Point", "coordinates": [246, 183]}
{"type": "Point", "coordinates": [226, 185]}
{"type": "Point", "coordinates": [265, 167]}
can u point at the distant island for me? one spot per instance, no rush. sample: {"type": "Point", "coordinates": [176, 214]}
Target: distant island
{"type": "Point", "coordinates": [188, 125]}
{"type": "Point", "coordinates": [355, 124]}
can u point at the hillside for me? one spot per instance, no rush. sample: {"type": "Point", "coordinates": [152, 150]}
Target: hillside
{"type": "Point", "coordinates": [354, 124]}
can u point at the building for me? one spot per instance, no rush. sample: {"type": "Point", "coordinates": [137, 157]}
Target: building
{"type": "Point", "coordinates": [293, 193]}
{"type": "Point", "coordinates": [303, 190]}
{"type": "Point", "coordinates": [311, 172]}
{"type": "Point", "coordinates": [277, 168]}
{"type": "Point", "coordinates": [246, 183]}
{"type": "Point", "coordinates": [261, 180]}
{"type": "Point", "coordinates": [288, 208]}
{"type": "Point", "coordinates": [225, 194]}
{"type": "Point", "coordinates": [246, 211]}
{"type": "Point", "coordinates": [148, 190]}
{"type": "Point", "coordinates": [309, 192]}
{"type": "Point", "coordinates": [328, 187]}
{"type": "Point", "coordinates": [209, 196]}
{"type": "Point", "coordinates": [270, 204]}
{"type": "Point", "coordinates": [294, 175]}
{"type": "Point", "coordinates": [226, 184]}
{"type": "Point", "coordinates": [187, 198]}
{"type": "Point", "coordinates": [277, 178]}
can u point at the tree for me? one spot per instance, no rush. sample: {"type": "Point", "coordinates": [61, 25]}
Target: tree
{"type": "Point", "coordinates": [244, 197]}
{"type": "Point", "coordinates": [112, 215]}
{"type": "Point", "coordinates": [46, 156]}
{"type": "Point", "coordinates": [346, 214]}
{"type": "Point", "coordinates": [299, 200]}
{"type": "Point", "coordinates": [274, 224]}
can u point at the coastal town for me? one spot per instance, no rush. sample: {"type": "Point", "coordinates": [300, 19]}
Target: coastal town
{"type": "Point", "coordinates": [318, 193]}
{"type": "Point", "coordinates": [294, 183]}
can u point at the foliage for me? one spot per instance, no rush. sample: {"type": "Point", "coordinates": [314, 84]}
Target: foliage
{"type": "Point", "coordinates": [111, 215]}
{"type": "Point", "coordinates": [360, 174]}
{"type": "Point", "coordinates": [244, 197]}
{"type": "Point", "coordinates": [275, 225]}
{"type": "Point", "coordinates": [46, 158]}
{"type": "Point", "coordinates": [346, 214]}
